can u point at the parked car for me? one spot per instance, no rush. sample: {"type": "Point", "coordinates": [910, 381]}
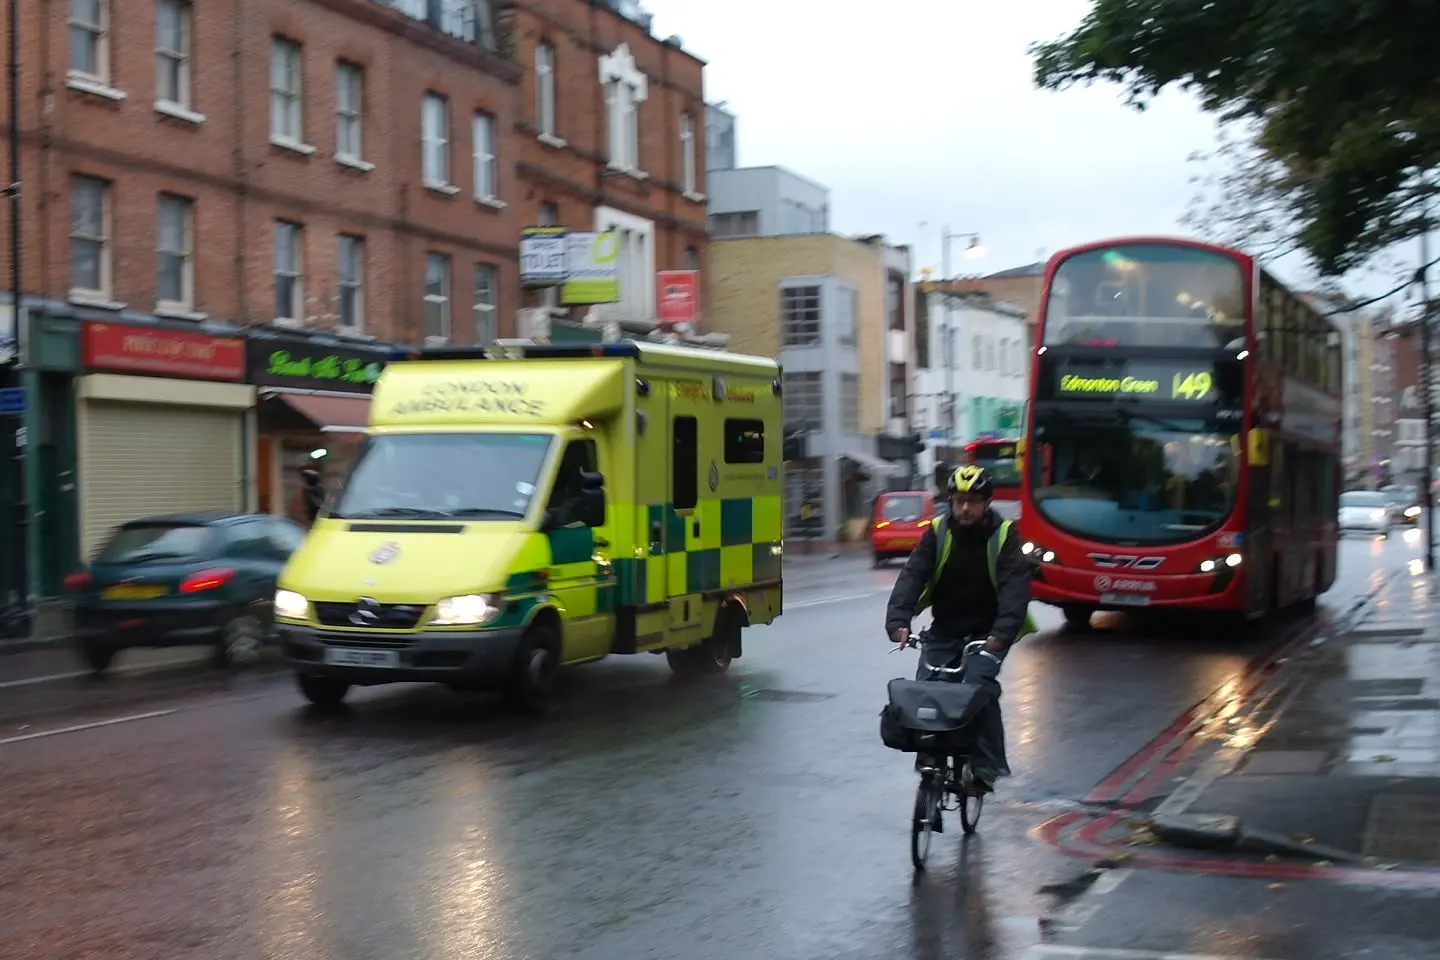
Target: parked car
{"type": "Point", "coordinates": [899, 520]}
{"type": "Point", "coordinates": [200, 579]}
{"type": "Point", "coordinates": [1365, 510]}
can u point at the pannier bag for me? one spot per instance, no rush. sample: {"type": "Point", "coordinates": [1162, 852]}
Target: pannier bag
{"type": "Point", "coordinates": [918, 708]}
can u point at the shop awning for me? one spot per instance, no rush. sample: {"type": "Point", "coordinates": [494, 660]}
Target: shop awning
{"type": "Point", "coordinates": [329, 414]}
{"type": "Point", "coordinates": [872, 463]}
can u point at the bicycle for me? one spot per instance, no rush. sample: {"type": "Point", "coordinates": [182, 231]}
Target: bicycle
{"type": "Point", "coordinates": [946, 774]}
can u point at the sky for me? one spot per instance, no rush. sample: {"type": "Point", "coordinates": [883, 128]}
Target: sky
{"type": "Point", "coordinates": [918, 114]}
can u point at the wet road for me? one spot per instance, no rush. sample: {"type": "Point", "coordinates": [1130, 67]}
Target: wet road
{"type": "Point", "coordinates": [754, 816]}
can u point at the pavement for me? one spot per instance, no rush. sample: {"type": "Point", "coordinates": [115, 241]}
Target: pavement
{"type": "Point", "coordinates": [216, 816]}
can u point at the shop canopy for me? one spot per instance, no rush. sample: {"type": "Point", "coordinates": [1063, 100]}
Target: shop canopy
{"type": "Point", "coordinates": [315, 412]}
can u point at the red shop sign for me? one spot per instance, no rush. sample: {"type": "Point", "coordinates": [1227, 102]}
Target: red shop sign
{"type": "Point", "coordinates": [110, 346]}
{"type": "Point", "coordinates": [679, 296]}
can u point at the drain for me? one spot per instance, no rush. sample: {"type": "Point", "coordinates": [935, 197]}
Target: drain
{"type": "Point", "coordinates": [787, 696]}
{"type": "Point", "coordinates": [1404, 827]}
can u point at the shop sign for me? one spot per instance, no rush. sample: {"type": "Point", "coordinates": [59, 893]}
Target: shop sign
{"type": "Point", "coordinates": [174, 353]}
{"type": "Point", "coordinates": [542, 256]}
{"type": "Point", "coordinates": [311, 366]}
{"type": "Point", "coordinates": [679, 296]}
{"type": "Point", "coordinates": [592, 268]}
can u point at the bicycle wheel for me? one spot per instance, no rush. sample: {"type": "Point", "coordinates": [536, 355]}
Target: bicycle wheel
{"type": "Point", "coordinates": [924, 820]}
{"type": "Point", "coordinates": [971, 804]}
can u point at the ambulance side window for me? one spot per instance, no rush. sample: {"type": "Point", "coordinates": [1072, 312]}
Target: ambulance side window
{"type": "Point", "coordinates": [685, 463]}
{"type": "Point", "coordinates": [579, 458]}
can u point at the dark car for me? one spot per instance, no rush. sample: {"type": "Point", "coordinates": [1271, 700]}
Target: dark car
{"type": "Point", "coordinates": [202, 579]}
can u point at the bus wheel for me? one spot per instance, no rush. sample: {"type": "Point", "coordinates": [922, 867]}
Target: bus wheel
{"type": "Point", "coordinates": [1077, 616]}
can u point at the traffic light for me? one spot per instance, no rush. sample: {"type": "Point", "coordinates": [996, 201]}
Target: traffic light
{"type": "Point", "coordinates": [917, 442]}
{"type": "Point", "coordinates": [942, 474]}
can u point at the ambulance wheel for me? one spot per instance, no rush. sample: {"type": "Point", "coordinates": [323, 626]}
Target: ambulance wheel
{"type": "Point", "coordinates": [325, 692]}
{"type": "Point", "coordinates": [532, 680]}
{"type": "Point", "coordinates": [712, 655]}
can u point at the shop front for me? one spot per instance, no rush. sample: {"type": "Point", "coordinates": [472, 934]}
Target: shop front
{"type": "Point", "coordinates": [162, 425]}
{"type": "Point", "coordinates": [313, 411]}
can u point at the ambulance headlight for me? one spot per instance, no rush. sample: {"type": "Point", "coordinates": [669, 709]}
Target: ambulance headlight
{"type": "Point", "coordinates": [290, 605]}
{"type": "Point", "coordinates": [469, 610]}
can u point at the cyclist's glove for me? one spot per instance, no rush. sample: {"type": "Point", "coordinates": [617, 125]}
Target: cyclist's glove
{"type": "Point", "coordinates": [982, 666]}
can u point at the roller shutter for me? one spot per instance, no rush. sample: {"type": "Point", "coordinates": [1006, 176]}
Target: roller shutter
{"type": "Point", "coordinates": [141, 459]}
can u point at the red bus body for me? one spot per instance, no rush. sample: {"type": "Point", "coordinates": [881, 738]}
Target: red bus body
{"type": "Point", "coordinates": [1003, 459]}
{"type": "Point", "coordinates": [1183, 440]}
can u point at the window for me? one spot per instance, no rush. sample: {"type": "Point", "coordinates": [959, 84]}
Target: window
{"type": "Point", "coordinates": [622, 105]}
{"type": "Point", "coordinates": [847, 316]}
{"type": "Point", "coordinates": [289, 270]}
{"type": "Point", "coordinates": [800, 316]}
{"type": "Point", "coordinates": [687, 150]}
{"type": "Point", "coordinates": [545, 89]}
{"type": "Point", "coordinates": [989, 353]}
{"type": "Point", "coordinates": [804, 401]}
{"type": "Point", "coordinates": [89, 39]}
{"type": "Point", "coordinates": [692, 258]}
{"type": "Point", "coordinates": [549, 215]}
{"type": "Point", "coordinates": [351, 276]}
{"type": "Point", "coordinates": [579, 458]}
{"type": "Point", "coordinates": [487, 167]}
{"type": "Point", "coordinates": [90, 235]}
{"type": "Point", "coordinates": [849, 403]}
{"type": "Point", "coordinates": [349, 109]}
{"type": "Point", "coordinates": [435, 140]}
{"type": "Point", "coordinates": [437, 295]}
{"type": "Point", "coordinates": [685, 464]}
{"type": "Point", "coordinates": [172, 52]}
{"type": "Point", "coordinates": [743, 223]}
{"type": "Point", "coordinates": [485, 301]}
{"type": "Point", "coordinates": [977, 352]}
{"type": "Point", "coordinates": [895, 300]}
{"type": "Point", "coordinates": [285, 117]}
{"type": "Point", "coordinates": [744, 441]}
{"type": "Point", "coordinates": [175, 252]}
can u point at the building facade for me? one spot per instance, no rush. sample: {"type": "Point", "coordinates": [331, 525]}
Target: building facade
{"type": "Point", "coordinates": [823, 305]}
{"type": "Point", "coordinates": [973, 377]}
{"type": "Point", "coordinates": [331, 172]}
{"type": "Point", "coordinates": [610, 135]}
{"type": "Point", "coordinates": [766, 202]}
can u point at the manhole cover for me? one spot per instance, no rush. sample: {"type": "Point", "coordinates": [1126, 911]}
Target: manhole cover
{"type": "Point", "coordinates": [1404, 827]}
{"type": "Point", "coordinates": [787, 696]}
{"type": "Point", "coordinates": [1295, 762]}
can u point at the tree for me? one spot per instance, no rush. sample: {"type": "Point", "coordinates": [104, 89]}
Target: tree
{"type": "Point", "coordinates": [1343, 96]}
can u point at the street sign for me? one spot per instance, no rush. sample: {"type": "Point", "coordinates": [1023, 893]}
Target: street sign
{"type": "Point", "coordinates": [12, 401]}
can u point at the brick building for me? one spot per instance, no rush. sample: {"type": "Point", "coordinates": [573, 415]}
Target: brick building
{"type": "Point", "coordinates": [264, 163]}
{"type": "Point", "coordinates": [611, 134]}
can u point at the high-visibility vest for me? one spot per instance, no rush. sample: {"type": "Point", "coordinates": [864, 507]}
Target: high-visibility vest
{"type": "Point", "coordinates": [992, 559]}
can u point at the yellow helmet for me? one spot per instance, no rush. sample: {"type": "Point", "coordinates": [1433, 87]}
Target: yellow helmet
{"type": "Point", "coordinates": [971, 479]}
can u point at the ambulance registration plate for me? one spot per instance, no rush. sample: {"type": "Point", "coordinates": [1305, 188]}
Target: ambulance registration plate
{"type": "Point", "coordinates": [344, 657]}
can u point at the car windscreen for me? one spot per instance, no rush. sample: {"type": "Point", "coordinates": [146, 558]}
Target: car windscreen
{"type": "Point", "coordinates": [1362, 498]}
{"type": "Point", "coordinates": [899, 507]}
{"type": "Point", "coordinates": [145, 542]}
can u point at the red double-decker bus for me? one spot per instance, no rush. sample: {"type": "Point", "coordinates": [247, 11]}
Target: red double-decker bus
{"type": "Point", "coordinates": [1183, 443]}
{"type": "Point", "coordinates": [1002, 457]}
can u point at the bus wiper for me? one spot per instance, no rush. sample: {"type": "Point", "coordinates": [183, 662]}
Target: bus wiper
{"type": "Point", "coordinates": [485, 512]}
{"type": "Point", "coordinates": [379, 512]}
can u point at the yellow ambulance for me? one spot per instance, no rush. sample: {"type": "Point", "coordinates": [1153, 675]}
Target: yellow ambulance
{"type": "Point", "coordinates": [518, 509]}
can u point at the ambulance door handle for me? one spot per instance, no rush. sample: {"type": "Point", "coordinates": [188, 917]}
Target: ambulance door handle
{"type": "Point", "coordinates": [696, 528]}
{"type": "Point", "coordinates": [601, 542]}
{"type": "Point", "coordinates": [655, 532]}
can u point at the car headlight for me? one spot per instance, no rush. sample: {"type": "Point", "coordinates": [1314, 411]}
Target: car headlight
{"type": "Point", "coordinates": [468, 610]}
{"type": "Point", "coordinates": [291, 605]}
{"type": "Point", "coordinates": [1412, 511]}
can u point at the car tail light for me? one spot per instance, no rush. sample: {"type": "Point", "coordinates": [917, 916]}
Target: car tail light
{"type": "Point", "coordinates": [77, 582]}
{"type": "Point", "coordinates": [206, 580]}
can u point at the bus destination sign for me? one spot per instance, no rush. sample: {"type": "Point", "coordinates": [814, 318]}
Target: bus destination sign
{"type": "Point", "coordinates": [1166, 381]}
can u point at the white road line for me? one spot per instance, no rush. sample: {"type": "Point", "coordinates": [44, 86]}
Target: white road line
{"type": "Point", "coordinates": [837, 598]}
{"type": "Point", "coordinates": [137, 670]}
{"type": "Point", "coordinates": [1048, 951]}
{"type": "Point", "coordinates": [86, 726]}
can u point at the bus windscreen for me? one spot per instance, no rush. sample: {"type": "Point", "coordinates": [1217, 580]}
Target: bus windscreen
{"type": "Point", "coordinates": [1147, 295]}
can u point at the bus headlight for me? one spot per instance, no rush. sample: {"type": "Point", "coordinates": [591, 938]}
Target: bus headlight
{"type": "Point", "coordinates": [467, 610]}
{"type": "Point", "coordinates": [1231, 560]}
{"type": "Point", "coordinates": [1036, 553]}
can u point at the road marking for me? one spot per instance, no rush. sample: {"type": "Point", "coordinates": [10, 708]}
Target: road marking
{"type": "Point", "coordinates": [138, 669]}
{"type": "Point", "coordinates": [1050, 951]}
{"type": "Point", "coordinates": [837, 598]}
{"type": "Point", "coordinates": [86, 726]}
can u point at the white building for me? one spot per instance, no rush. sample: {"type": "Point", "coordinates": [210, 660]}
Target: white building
{"type": "Point", "coordinates": [972, 372]}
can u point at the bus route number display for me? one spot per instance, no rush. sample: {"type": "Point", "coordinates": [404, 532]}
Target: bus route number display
{"type": "Point", "coordinates": [1160, 382]}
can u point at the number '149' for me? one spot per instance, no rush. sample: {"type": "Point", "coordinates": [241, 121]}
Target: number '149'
{"type": "Point", "coordinates": [1191, 386]}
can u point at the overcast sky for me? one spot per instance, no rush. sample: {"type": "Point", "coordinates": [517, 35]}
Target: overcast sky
{"type": "Point", "coordinates": [926, 110]}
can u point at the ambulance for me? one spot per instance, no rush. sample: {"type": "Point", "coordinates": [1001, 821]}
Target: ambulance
{"type": "Point", "coordinates": [518, 509]}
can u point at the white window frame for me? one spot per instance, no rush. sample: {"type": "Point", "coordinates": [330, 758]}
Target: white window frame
{"type": "Point", "coordinates": [349, 110]}
{"type": "Point", "coordinates": [545, 90]}
{"type": "Point", "coordinates": [687, 153]}
{"type": "Point", "coordinates": [486, 158]}
{"type": "Point", "coordinates": [186, 253]}
{"type": "Point", "coordinates": [355, 244]}
{"type": "Point", "coordinates": [287, 103]}
{"type": "Point", "coordinates": [178, 59]}
{"type": "Point", "coordinates": [295, 271]}
{"type": "Point", "coordinates": [486, 312]}
{"type": "Point", "coordinates": [626, 87]}
{"type": "Point", "coordinates": [443, 299]}
{"type": "Point", "coordinates": [102, 240]}
{"type": "Point", "coordinates": [435, 143]}
{"type": "Point", "coordinates": [99, 38]}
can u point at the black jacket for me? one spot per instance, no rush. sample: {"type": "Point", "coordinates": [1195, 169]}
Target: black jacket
{"type": "Point", "coordinates": [964, 602]}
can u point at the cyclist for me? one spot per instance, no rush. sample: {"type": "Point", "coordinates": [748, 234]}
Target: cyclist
{"type": "Point", "coordinates": [968, 566]}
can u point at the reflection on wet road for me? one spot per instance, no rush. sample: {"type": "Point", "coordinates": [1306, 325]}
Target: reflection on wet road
{"type": "Point", "coordinates": [754, 816]}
